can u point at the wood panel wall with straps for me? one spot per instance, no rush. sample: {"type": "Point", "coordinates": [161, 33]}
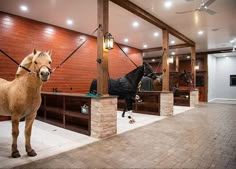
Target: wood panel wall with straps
{"type": "Point", "coordinates": [19, 36]}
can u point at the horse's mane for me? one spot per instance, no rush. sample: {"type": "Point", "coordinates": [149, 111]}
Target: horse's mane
{"type": "Point", "coordinates": [27, 62]}
{"type": "Point", "coordinates": [135, 72]}
{"type": "Point", "coordinates": [135, 76]}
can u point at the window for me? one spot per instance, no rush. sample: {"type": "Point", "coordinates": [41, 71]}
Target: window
{"type": "Point", "coordinates": [199, 81]}
{"type": "Point", "coordinates": [232, 80]}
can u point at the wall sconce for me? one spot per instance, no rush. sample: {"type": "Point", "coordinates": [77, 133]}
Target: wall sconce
{"type": "Point", "coordinates": [171, 59]}
{"type": "Point", "coordinates": [197, 67]}
{"type": "Point", "coordinates": [108, 41]}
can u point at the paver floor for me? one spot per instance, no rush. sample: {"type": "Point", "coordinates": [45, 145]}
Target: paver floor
{"type": "Point", "coordinates": [204, 137]}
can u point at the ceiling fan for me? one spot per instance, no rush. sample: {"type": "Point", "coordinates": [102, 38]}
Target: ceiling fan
{"type": "Point", "coordinates": [233, 50]}
{"type": "Point", "coordinates": [203, 7]}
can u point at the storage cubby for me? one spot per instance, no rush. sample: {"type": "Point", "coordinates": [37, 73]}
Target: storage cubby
{"type": "Point", "coordinates": [149, 103]}
{"type": "Point", "coordinates": [64, 110]}
{"type": "Point", "coordinates": [182, 98]}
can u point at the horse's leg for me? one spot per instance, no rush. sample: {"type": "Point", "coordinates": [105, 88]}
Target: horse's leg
{"type": "Point", "coordinates": [15, 132]}
{"type": "Point", "coordinates": [129, 108]}
{"type": "Point", "coordinates": [28, 128]}
{"type": "Point", "coordinates": [125, 108]}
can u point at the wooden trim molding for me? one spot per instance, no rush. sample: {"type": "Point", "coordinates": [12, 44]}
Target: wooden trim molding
{"type": "Point", "coordinates": [133, 8]}
{"type": "Point", "coordinates": [170, 47]}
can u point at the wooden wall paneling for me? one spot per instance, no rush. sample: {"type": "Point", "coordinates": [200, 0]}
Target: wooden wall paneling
{"type": "Point", "coordinates": [19, 36]}
{"type": "Point", "coordinates": [176, 63]}
{"type": "Point", "coordinates": [185, 65]}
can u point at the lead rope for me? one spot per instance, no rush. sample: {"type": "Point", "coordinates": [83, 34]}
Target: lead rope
{"type": "Point", "coordinates": [126, 55]}
{"type": "Point", "coordinates": [61, 62]}
{"type": "Point", "coordinates": [99, 26]}
{"type": "Point", "coordinates": [15, 61]}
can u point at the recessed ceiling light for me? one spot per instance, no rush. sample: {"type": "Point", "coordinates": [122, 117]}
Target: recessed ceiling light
{"type": "Point", "coordinates": [168, 4]}
{"type": "Point", "coordinates": [172, 53]}
{"type": "Point", "coordinates": [126, 40]}
{"type": "Point", "coordinates": [23, 8]}
{"type": "Point", "coordinates": [156, 34]}
{"type": "Point", "coordinates": [200, 32]}
{"type": "Point", "coordinates": [153, 60]}
{"type": "Point", "coordinates": [69, 22]}
{"type": "Point", "coordinates": [188, 57]}
{"type": "Point", "coordinates": [172, 42]}
{"type": "Point", "coordinates": [135, 24]}
{"type": "Point", "coordinates": [145, 46]}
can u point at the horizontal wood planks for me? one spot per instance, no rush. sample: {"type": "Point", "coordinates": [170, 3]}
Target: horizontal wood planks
{"type": "Point", "coordinates": [19, 36]}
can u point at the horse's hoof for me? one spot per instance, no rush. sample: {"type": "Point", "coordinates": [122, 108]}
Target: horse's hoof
{"type": "Point", "coordinates": [131, 121]}
{"type": "Point", "coordinates": [32, 153]}
{"type": "Point", "coordinates": [15, 154]}
{"type": "Point", "coordinates": [123, 115]}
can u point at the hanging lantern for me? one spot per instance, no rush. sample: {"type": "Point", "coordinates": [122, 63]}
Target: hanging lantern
{"type": "Point", "coordinates": [109, 41]}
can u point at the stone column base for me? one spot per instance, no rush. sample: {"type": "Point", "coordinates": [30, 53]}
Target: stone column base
{"type": "Point", "coordinates": [166, 103]}
{"type": "Point", "coordinates": [194, 98]}
{"type": "Point", "coordinates": [103, 116]}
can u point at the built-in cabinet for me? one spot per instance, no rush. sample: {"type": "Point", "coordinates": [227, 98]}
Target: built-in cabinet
{"type": "Point", "coordinates": [65, 110]}
{"type": "Point", "coordinates": [148, 103]}
{"type": "Point", "coordinates": [182, 98]}
{"type": "Point", "coordinates": [184, 63]}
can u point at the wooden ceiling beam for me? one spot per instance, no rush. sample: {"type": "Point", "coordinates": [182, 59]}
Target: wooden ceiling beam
{"type": "Point", "coordinates": [170, 47]}
{"type": "Point", "coordinates": [227, 50]}
{"type": "Point", "coordinates": [133, 8]}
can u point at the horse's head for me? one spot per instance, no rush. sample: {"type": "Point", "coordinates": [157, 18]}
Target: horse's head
{"type": "Point", "coordinates": [186, 78]}
{"type": "Point", "coordinates": [41, 64]}
{"type": "Point", "coordinates": [148, 71]}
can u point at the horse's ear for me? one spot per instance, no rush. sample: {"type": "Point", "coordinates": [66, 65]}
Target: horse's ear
{"type": "Point", "coordinates": [49, 52]}
{"type": "Point", "coordinates": [35, 51]}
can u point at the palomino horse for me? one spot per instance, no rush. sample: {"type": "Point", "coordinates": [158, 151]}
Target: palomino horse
{"type": "Point", "coordinates": [126, 86]}
{"type": "Point", "coordinates": [21, 97]}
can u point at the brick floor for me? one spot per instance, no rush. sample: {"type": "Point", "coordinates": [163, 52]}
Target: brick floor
{"type": "Point", "coordinates": [204, 137]}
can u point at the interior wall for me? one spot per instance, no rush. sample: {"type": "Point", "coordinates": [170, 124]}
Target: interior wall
{"type": "Point", "coordinates": [220, 78]}
{"type": "Point", "coordinates": [19, 36]}
{"type": "Point", "coordinates": [211, 77]}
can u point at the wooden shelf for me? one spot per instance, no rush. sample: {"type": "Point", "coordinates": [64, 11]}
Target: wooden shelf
{"type": "Point", "coordinates": [77, 115]}
{"type": "Point", "coordinates": [182, 98]}
{"type": "Point", "coordinates": [54, 109]}
{"type": "Point", "coordinates": [150, 103]}
{"type": "Point", "coordinates": [64, 110]}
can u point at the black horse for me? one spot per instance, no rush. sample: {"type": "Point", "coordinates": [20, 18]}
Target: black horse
{"type": "Point", "coordinates": [126, 86]}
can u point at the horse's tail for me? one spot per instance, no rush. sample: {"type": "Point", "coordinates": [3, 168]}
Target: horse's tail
{"type": "Point", "coordinates": [93, 87]}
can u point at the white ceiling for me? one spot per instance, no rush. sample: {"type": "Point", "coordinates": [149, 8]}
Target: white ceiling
{"type": "Point", "coordinates": [218, 29]}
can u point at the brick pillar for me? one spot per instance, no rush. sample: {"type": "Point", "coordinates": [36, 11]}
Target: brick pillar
{"type": "Point", "coordinates": [166, 103]}
{"type": "Point", "coordinates": [103, 116]}
{"type": "Point", "coordinates": [194, 98]}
